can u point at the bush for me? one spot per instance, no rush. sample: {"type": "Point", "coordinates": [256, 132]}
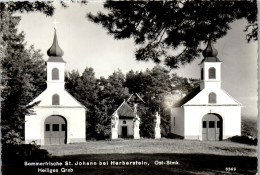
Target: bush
{"type": "Point", "coordinates": [249, 127]}
{"type": "Point", "coordinates": [174, 136]}
{"type": "Point", "coordinates": [21, 152]}
{"type": "Point", "coordinates": [14, 156]}
{"type": "Point", "coordinates": [243, 139]}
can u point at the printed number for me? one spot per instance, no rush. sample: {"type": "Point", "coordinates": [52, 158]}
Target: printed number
{"type": "Point", "coordinates": [231, 169]}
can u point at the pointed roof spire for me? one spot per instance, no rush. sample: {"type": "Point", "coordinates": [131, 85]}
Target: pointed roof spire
{"type": "Point", "coordinates": [210, 53]}
{"type": "Point", "coordinates": [55, 50]}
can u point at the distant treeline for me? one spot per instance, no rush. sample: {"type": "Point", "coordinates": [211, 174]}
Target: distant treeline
{"type": "Point", "coordinates": [249, 127]}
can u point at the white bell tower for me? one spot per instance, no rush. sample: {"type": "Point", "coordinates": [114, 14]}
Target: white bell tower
{"type": "Point", "coordinates": [55, 66]}
{"type": "Point", "coordinates": [210, 68]}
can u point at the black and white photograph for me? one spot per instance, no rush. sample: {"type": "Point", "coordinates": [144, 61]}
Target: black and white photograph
{"type": "Point", "coordinates": [129, 87]}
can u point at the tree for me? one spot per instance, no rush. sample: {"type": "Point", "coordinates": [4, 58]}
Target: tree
{"type": "Point", "coordinates": [157, 87]}
{"type": "Point", "coordinates": [113, 90]}
{"type": "Point", "coordinates": [23, 78]}
{"type": "Point", "coordinates": [102, 127]}
{"type": "Point", "coordinates": [150, 86]}
{"type": "Point", "coordinates": [73, 82]}
{"type": "Point", "coordinates": [89, 96]}
{"type": "Point", "coordinates": [183, 84]}
{"type": "Point", "coordinates": [85, 89]}
{"type": "Point", "coordinates": [112, 93]}
{"type": "Point", "coordinates": [103, 96]}
{"type": "Point", "coordinates": [160, 28]}
{"type": "Point", "coordinates": [137, 82]}
{"type": "Point", "coordinates": [45, 7]}
{"type": "Point", "coordinates": [100, 96]}
{"type": "Point", "coordinates": [22, 70]}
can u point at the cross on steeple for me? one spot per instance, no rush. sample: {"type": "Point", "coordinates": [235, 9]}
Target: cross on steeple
{"type": "Point", "coordinates": [55, 22]}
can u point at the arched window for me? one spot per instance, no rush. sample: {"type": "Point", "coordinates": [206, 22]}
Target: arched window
{"type": "Point", "coordinates": [202, 74]}
{"type": "Point", "coordinates": [212, 73]}
{"type": "Point", "coordinates": [55, 99]}
{"type": "Point", "coordinates": [212, 98]}
{"type": "Point", "coordinates": [55, 74]}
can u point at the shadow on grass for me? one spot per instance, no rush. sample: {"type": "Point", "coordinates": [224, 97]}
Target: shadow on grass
{"type": "Point", "coordinates": [151, 164]}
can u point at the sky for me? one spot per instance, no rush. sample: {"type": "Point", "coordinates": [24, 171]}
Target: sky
{"type": "Point", "coordinates": [86, 44]}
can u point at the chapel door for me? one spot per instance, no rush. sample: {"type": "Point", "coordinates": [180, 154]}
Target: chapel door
{"type": "Point", "coordinates": [55, 132]}
{"type": "Point", "coordinates": [211, 127]}
{"type": "Point", "coordinates": [124, 131]}
{"type": "Point", "coordinates": [212, 130]}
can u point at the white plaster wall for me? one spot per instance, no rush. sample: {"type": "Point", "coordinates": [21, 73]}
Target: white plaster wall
{"type": "Point", "coordinates": [60, 66]}
{"type": "Point", "coordinates": [207, 65]}
{"type": "Point", "coordinates": [213, 84]}
{"type": "Point", "coordinates": [209, 83]}
{"type": "Point", "coordinates": [232, 124]}
{"type": "Point", "coordinates": [222, 98]}
{"type": "Point", "coordinates": [55, 85]}
{"type": "Point", "coordinates": [231, 116]}
{"type": "Point", "coordinates": [192, 122]}
{"type": "Point", "coordinates": [33, 129]}
{"type": "Point", "coordinates": [66, 99]}
{"type": "Point", "coordinates": [129, 124]}
{"type": "Point", "coordinates": [69, 108]}
{"type": "Point", "coordinates": [178, 113]}
{"type": "Point", "coordinates": [76, 124]}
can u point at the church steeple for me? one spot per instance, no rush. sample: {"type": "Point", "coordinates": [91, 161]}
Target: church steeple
{"type": "Point", "coordinates": [210, 51]}
{"type": "Point", "coordinates": [55, 52]}
{"type": "Point", "coordinates": [55, 65]}
{"type": "Point", "coordinates": [210, 68]}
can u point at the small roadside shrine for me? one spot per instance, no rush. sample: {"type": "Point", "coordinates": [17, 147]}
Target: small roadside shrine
{"type": "Point", "coordinates": [125, 121]}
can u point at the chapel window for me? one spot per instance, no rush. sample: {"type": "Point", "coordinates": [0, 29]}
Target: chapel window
{"type": "Point", "coordinates": [47, 127]}
{"type": "Point", "coordinates": [212, 98]}
{"type": "Point", "coordinates": [212, 73]}
{"type": "Point", "coordinates": [55, 99]}
{"type": "Point", "coordinates": [204, 124]}
{"type": "Point", "coordinates": [218, 124]}
{"type": "Point", "coordinates": [55, 127]}
{"type": "Point", "coordinates": [211, 124]}
{"type": "Point", "coordinates": [55, 74]}
{"type": "Point", "coordinates": [63, 127]}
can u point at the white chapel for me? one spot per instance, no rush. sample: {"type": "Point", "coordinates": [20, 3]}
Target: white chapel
{"type": "Point", "coordinates": [209, 112]}
{"type": "Point", "coordinates": [125, 124]}
{"type": "Point", "coordinates": [59, 118]}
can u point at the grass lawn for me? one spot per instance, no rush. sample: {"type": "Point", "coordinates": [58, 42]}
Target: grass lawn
{"type": "Point", "coordinates": [148, 146]}
{"type": "Point", "coordinates": [165, 156]}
